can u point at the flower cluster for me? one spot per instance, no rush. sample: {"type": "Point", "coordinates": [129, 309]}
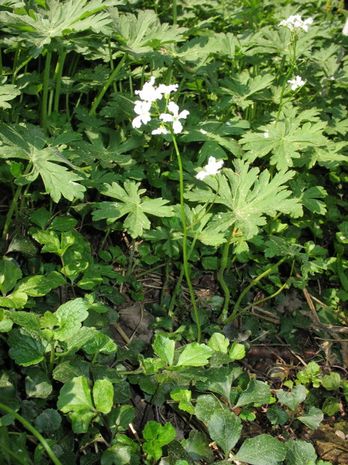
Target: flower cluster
{"type": "Point", "coordinates": [213, 167]}
{"type": "Point", "coordinates": [296, 82]}
{"type": "Point", "coordinates": [295, 22]}
{"type": "Point", "coordinates": [150, 94]}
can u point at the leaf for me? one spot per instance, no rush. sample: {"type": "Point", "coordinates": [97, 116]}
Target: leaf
{"type": "Point", "coordinates": [131, 204]}
{"type": "Point", "coordinates": [312, 418]}
{"type": "Point", "coordinates": [25, 350]}
{"type": "Point", "coordinates": [206, 406]}
{"type": "Point", "coordinates": [8, 92]}
{"type": "Point", "coordinates": [75, 396]}
{"type": "Point", "coordinates": [40, 285]}
{"type": "Point", "coordinates": [220, 380]}
{"type": "Point", "coordinates": [292, 399]}
{"type": "Point", "coordinates": [103, 395]}
{"type": "Point", "coordinates": [225, 428]}
{"type": "Point", "coordinates": [237, 351]}
{"type": "Point", "coordinates": [183, 396]}
{"type": "Point", "coordinates": [37, 384]}
{"type": "Point", "coordinates": [262, 450]}
{"type": "Point", "coordinates": [300, 452]}
{"type": "Point", "coordinates": [156, 436]}
{"type": "Point", "coordinates": [124, 451]}
{"type": "Point", "coordinates": [195, 355]}
{"type": "Point", "coordinates": [197, 446]}
{"type": "Point", "coordinates": [331, 381]}
{"type": "Point", "coordinates": [30, 143]}
{"type": "Point", "coordinates": [164, 348]}
{"type": "Point", "coordinates": [219, 343]}
{"type": "Point", "coordinates": [70, 315]}
{"type": "Point", "coordinates": [10, 273]}
{"type": "Point", "coordinates": [48, 421]}
{"type": "Point", "coordinates": [257, 392]}
{"type": "Point", "coordinates": [248, 196]}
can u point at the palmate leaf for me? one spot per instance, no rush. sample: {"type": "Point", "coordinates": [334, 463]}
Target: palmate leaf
{"type": "Point", "coordinates": [144, 33]}
{"type": "Point", "coordinates": [29, 143]}
{"type": "Point", "coordinates": [59, 19]}
{"type": "Point", "coordinates": [248, 196]}
{"type": "Point", "coordinates": [284, 140]}
{"type": "Point", "coordinates": [7, 92]}
{"type": "Point", "coordinates": [129, 202]}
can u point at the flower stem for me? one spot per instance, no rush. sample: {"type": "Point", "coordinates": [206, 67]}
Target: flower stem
{"type": "Point", "coordinates": [107, 84]}
{"type": "Point", "coordinates": [184, 240]}
{"type": "Point", "coordinates": [221, 278]}
{"type": "Point", "coordinates": [236, 310]}
{"type": "Point", "coordinates": [58, 79]}
{"type": "Point", "coordinates": [45, 86]}
{"type": "Point", "coordinates": [28, 426]}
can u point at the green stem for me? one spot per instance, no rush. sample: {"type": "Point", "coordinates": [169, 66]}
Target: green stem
{"type": "Point", "coordinates": [46, 80]}
{"type": "Point", "coordinates": [221, 277]}
{"type": "Point", "coordinates": [10, 212]}
{"type": "Point", "coordinates": [175, 12]}
{"type": "Point", "coordinates": [28, 426]}
{"type": "Point", "coordinates": [235, 311]}
{"type": "Point", "coordinates": [184, 240]}
{"type": "Point", "coordinates": [58, 79]}
{"type": "Point", "coordinates": [108, 83]}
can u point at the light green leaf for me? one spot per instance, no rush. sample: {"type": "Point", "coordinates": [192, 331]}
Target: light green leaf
{"type": "Point", "coordinates": [156, 436]}
{"type": "Point", "coordinates": [40, 285]}
{"type": "Point", "coordinates": [195, 355]}
{"type": "Point", "coordinates": [70, 315]}
{"type": "Point", "coordinates": [164, 348]}
{"type": "Point", "coordinates": [7, 92]}
{"type": "Point", "coordinates": [75, 396]}
{"type": "Point", "coordinates": [237, 351]}
{"type": "Point", "coordinates": [262, 450]}
{"type": "Point", "coordinates": [312, 418]}
{"type": "Point", "coordinates": [331, 381]}
{"type": "Point", "coordinates": [130, 203]}
{"type": "Point", "coordinates": [257, 392]}
{"type": "Point", "coordinates": [103, 395]}
{"type": "Point", "coordinates": [219, 343]}
{"type": "Point", "coordinates": [183, 396]}
{"type": "Point", "coordinates": [292, 399]}
{"type": "Point", "coordinates": [10, 273]}
{"type": "Point", "coordinates": [37, 384]}
{"type": "Point", "coordinates": [300, 452]}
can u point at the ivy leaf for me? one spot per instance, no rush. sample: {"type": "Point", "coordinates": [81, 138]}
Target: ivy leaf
{"type": "Point", "coordinates": [195, 355]}
{"type": "Point", "coordinates": [219, 343]}
{"type": "Point", "coordinates": [312, 418]}
{"type": "Point", "coordinates": [10, 273]}
{"type": "Point", "coordinates": [40, 285]}
{"type": "Point", "coordinates": [248, 196]}
{"type": "Point", "coordinates": [130, 203]}
{"type": "Point", "coordinates": [183, 396]}
{"type": "Point", "coordinates": [262, 450]}
{"type": "Point", "coordinates": [293, 398]}
{"type": "Point", "coordinates": [257, 392]}
{"type": "Point", "coordinates": [30, 143]}
{"type": "Point", "coordinates": [300, 452]}
{"type": "Point", "coordinates": [70, 315]}
{"type": "Point", "coordinates": [156, 436]}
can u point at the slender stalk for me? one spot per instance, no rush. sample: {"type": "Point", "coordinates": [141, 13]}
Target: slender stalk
{"type": "Point", "coordinates": [107, 84]}
{"type": "Point", "coordinates": [28, 426]}
{"type": "Point", "coordinates": [10, 212]}
{"type": "Point", "coordinates": [236, 310]}
{"type": "Point", "coordinates": [58, 79]}
{"type": "Point", "coordinates": [46, 80]}
{"type": "Point", "coordinates": [175, 12]}
{"type": "Point", "coordinates": [221, 277]}
{"type": "Point", "coordinates": [184, 240]}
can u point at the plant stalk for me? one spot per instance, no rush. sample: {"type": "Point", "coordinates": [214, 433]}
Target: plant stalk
{"type": "Point", "coordinates": [28, 426]}
{"type": "Point", "coordinates": [107, 84]}
{"type": "Point", "coordinates": [184, 240]}
{"type": "Point", "coordinates": [221, 278]}
{"type": "Point", "coordinates": [58, 79]}
{"type": "Point", "coordinates": [46, 79]}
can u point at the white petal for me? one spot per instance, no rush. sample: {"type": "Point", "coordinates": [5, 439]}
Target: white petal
{"type": "Point", "coordinates": [160, 130]}
{"type": "Point", "coordinates": [166, 117]}
{"type": "Point", "coordinates": [177, 126]}
{"type": "Point", "coordinates": [183, 114]}
{"type": "Point", "coordinates": [201, 175]}
{"type": "Point", "coordinates": [137, 122]}
{"type": "Point", "coordinates": [173, 108]}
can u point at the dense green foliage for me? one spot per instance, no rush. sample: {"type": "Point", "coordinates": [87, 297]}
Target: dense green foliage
{"type": "Point", "coordinates": [150, 237]}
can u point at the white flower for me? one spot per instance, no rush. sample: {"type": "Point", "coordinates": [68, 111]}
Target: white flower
{"type": "Point", "coordinates": [213, 167]}
{"type": "Point", "coordinates": [266, 134]}
{"type": "Point", "coordinates": [142, 109]}
{"type": "Point", "coordinates": [296, 82]}
{"type": "Point", "coordinates": [166, 90]}
{"type": "Point", "coordinates": [175, 117]}
{"type": "Point", "coordinates": [149, 93]}
{"type": "Point", "coordinates": [160, 130]}
{"type": "Point", "coordinates": [294, 22]}
{"type": "Point", "coordinates": [345, 28]}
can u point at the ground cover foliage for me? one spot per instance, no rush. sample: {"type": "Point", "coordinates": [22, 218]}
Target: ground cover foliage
{"type": "Point", "coordinates": [173, 268]}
